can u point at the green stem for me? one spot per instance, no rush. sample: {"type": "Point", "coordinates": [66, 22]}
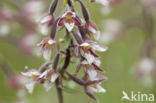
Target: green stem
{"type": "Point", "coordinates": [59, 92]}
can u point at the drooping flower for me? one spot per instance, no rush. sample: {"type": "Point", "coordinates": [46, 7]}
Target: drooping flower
{"type": "Point", "coordinates": [90, 45]}
{"type": "Point", "coordinates": [87, 50]}
{"type": "Point", "coordinates": [33, 75]}
{"type": "Point", "coordinates": [93, 86]}
{"type": "Point", "coordinates": [48, 46]}
{"type": "Point", "coordinates": [69, 20]}
{"type": "Point", "coordinates": [47, 20]}
{"type": "Point", "coordinates": [92, 30]}
{"type": "Point", "coordinates": [90, 69]}
{"type": "Point", "coordinates": [49, 77]}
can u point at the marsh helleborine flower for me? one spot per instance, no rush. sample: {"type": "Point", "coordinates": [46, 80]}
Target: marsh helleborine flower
{"type": "Point", "coordinates": [49, 77]}
{"type": "Point", "coordinates": [47, 20]}
{"type": "Point", "coordinates": [48, 46]}
{"type": "Point", "coordinates": [33, 75]}
{"type": "Point", "coordinates": [69, 20]}
{"type": "Point", "coordinates": [92, 30]}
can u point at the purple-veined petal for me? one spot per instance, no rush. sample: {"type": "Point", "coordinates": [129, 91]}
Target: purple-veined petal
{"type": "Point", "coordinates": [61, 21]}
{"type": "Point", "coordinates": [76, 21]}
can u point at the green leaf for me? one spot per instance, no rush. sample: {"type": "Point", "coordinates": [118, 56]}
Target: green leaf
{"type": "Point", "coordinates": [67, 40]}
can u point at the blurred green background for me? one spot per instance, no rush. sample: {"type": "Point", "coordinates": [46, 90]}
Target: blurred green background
{"type": "Point", "coordinates": [118, 62]}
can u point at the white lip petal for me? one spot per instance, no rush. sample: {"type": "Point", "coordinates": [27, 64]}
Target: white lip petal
{"type": "Point", "coordinates": [91, 89]}
{"type": "Point", "coordinates": [96, 89]}
{"type": "Point", "coordinates": [45, 19]}
{"type": "Point", "coordinates": [35, 73]}
{"type": "Point", "coordinates": [92, 74]}
{"type": "Point", "coordinates": [43, 74]}
{"type": "Point", "coordinates": [30, 87]}
{"type": "Point", "coordinates": [47, 54]}
{"type": "Point", "coordinates": [97, 62]}
{"type": "Point", "coordinates": [84, 44]}
{"type": "Point", "coordinates": [90, 58]}
{"type": "Point", "coordinates": [28, 74]}
{"type": "Point", "coordinates": [54, 77]}
{"type": "Point", "coordinates": [100, 89]}
{"type": "Point", "coordinates": [50, 42]}
{"type": "Point", "coordinates": [99, 48]}
{"type": "Point", "coordinates": [84, 62]}
{"type": "Point", "coordinates": [91, 29]}
{"type": "Point", "coordinates": [47, 86]}
{"type": "Point", "coordinates": [69, 26]}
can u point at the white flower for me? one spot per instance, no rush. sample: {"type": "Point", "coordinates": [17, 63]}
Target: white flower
{"type": "Point", "coordinates": [69, 26]}
{"type": "Point", "coordinates": [69, 20]}
{"type": "Point", "coordinates": [30, 86]}
{"type": "Point", "coordinates": [90, 58]}
{"type": "Point", "coordinates": [31, 73]}
{"type": "Point", "coordinates": [48, 46]}
{"type": "Point", "coordinates": [99, 48]}
{"type": "Point", "coordinates": [54, 76]}
{"type": "Point", "coordinates": [46, 19]}
{"type": "Point", "coordinates": [92, 74]}
{"type": "Point", "coordinates": [96, 88]}
{"type": "Point", "coordinates": [97, 62]}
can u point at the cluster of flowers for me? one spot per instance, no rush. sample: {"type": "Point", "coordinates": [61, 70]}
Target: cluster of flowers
{"type": "Point", "coordinates": [80, 46]}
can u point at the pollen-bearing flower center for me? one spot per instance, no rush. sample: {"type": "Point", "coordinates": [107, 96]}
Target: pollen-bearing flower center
{"type": "Point", "coordinates": [34, 76]}
{"type": "Point", "coordinates": [93, 86]}
{"type": "Point", "coordinates": [69, 18]}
